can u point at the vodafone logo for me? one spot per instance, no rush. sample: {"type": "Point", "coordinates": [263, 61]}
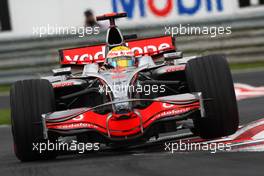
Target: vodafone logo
{"type": "Point", "coordinates": [176, 68]}
{"type": "Point", "coordinates": [96, 53]}
{"type": "Point", "coordinates": [79, 58]}
{"type": "Point", "coordinates": [80, 117]}
{"type": "Point", "coordinates": [63, 84]}
{"type": "Point", "coordinates": [86, 57]}
{"type": "Point", "coordinates": [76, 126]}
{"type": "Point", "coordinates": [166, 105]}
{"type": "Point", "coordinates": [150, 48]}
{"type": "Point", "coordinates": [172, 112]}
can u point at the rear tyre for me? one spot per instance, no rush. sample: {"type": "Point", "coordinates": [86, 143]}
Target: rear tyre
{"type": "Point", "coordinates": [29, 100]}
{"type": "Point", "coordinates": [211, 76]}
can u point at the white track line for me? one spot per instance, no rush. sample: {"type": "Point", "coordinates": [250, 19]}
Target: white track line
{"type": "Point", "coordinates": [5, 126]}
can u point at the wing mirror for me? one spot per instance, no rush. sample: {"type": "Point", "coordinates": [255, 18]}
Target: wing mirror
{"type": "Point", "coordinates": [172, 56]}
{"type": "Point", "coordinates": [61, 71]}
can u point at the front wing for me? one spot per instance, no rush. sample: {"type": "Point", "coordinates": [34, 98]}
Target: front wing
{"type": "Point", "coordinates": [123, 125]}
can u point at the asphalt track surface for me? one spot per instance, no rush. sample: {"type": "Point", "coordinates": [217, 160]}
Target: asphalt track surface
{"type": "Point", "coordinates": [149, 161]}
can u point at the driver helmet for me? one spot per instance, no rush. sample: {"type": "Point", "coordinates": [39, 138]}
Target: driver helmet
{"type": "Point", "coordinates": [120, 57]}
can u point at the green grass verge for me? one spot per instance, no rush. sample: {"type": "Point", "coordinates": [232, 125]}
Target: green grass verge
{"type": "Point", "coordinates": [247, 65]}
{"type": "Point", "coordinates": [4, 88]}
{"type": "Point", "coordinates": [5, 116]}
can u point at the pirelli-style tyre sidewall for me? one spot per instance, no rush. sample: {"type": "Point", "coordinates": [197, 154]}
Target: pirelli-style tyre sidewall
{"type": "Point", "coordinates": [211, 76]}
{"type": "Point", "coordinates": [29, 99]}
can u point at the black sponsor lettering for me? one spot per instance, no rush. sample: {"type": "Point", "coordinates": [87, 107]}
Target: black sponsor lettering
{"type": "Point", "coordinates": [248, 3]}
{"type": "Point", "coordinates": [244, 3]}
{"type": "Point", "coordinates": [5, 24]}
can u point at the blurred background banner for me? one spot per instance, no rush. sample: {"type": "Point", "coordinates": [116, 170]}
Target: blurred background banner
{"type": "Point", "coordinates": [24, 54]}
{"type": "Point", "coordinates": [24, 15]}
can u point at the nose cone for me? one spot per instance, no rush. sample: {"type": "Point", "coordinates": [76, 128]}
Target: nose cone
{"type": "Point", "coordinates": [124, 115]}
{"type": "Point", "coordinates": [122, 108]}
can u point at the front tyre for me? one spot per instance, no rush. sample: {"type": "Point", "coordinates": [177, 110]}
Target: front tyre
{"type": "Point", "coordinates": [29, 100]}
{"type": "Point", "coordinates": [211, 76]}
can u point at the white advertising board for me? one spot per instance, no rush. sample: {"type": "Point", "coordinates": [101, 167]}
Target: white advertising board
{"type": "Point", "coordinates": [25, 15]}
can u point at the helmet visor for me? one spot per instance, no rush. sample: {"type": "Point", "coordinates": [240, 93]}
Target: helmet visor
{"type": "Point", "coordinates": [123, 62]}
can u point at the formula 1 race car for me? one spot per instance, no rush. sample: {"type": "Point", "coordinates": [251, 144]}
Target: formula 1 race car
{"type": "Point", "coordinates": [123, 92]}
